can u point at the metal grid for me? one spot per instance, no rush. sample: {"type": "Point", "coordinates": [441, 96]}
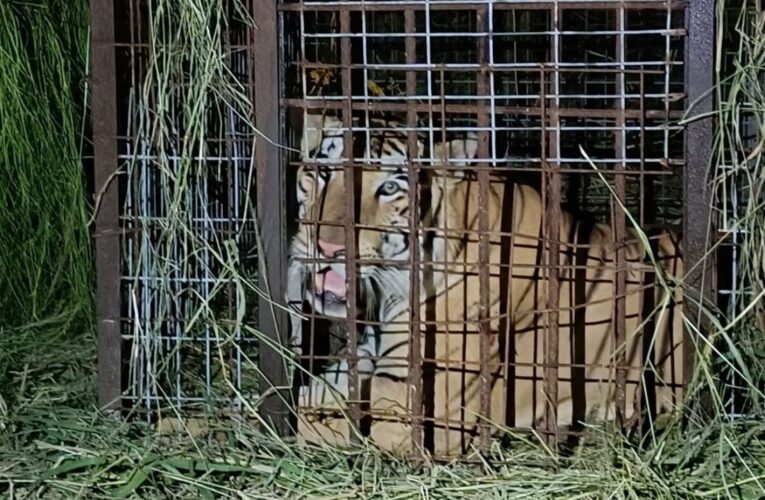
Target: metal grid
{"type": "Point", "coordinates": [733, 294]}
{"type": "Point", "coordinates": [186, 266]}
{"type": "Point", "coordinates": [531, 82]}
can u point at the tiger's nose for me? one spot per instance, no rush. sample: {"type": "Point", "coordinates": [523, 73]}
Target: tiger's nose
{"type": "Point", "coordinates": [330, 249]}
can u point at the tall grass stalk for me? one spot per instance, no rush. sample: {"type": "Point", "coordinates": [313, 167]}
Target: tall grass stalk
{"type": "Point", "coordinates": [738, 179]}
{"type": "Point", "coordinates": [45, 252]}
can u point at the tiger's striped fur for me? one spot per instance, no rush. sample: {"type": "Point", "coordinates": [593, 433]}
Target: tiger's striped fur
{"type": "Point", "coordinates": [321, 196]}
{"type": "Point", "coordinates": [451, 292]}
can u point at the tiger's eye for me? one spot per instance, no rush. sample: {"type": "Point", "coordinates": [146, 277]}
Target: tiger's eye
{"type": "Point", "coordinates": [388, 188]}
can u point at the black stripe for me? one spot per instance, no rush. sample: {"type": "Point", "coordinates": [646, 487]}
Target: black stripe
{"type": "Point", "coordinates": [581, 233]}
{"type": "Point", "coordinates": [537, 315]}
{"type": "Point", "coordinates": [406, 244]}
{"type": "Point", "coordinates": [428, 365]}
{"type": "Point", "coordinates": [648, 393]}
{"type": "Point", "coordinates": [393, 144]}
{"type": "Point", "coordinates": [325, 174]}
{"type": "Point", "coordinates": [507, 327]}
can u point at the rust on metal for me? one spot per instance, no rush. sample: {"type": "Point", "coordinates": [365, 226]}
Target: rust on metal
{"type": "Point", "coordinates": [396, 107]}
{"type": "Point", "coordinates": [447, 325]}
{"type": "Point", "coordinates": [416, 382]}
{"type": "Point", "coordinates": [568, 170]}
{"type": "Point", "coordinates": [551, 244]}
{"type": "Point", "coordinates": [483, 152]}
{"type": "Point", "coordinates": [271, 203]}
{"type": "Point", "coordinates": [387, 6]}
{"type": "Point", "coordinates": [352, 199]}
{"type": "Point", "coordinates": [107, 228]}
{"type": "Point", "coordinates": [499, 68]}
{"type": "Point", "coordinates": [699, 79]}
{"type": "Point", "coordinates": [558, 102]}
{"type": "Point", "coordinates": [647, 216]}
{"type": "Point", "coordinates": [618, 221]}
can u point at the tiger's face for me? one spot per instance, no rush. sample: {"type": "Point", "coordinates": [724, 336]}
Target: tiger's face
{"type": "Point", "coordinates": [322, 200]}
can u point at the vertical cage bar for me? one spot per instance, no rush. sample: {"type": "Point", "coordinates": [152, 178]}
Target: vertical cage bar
{"type": "Point", "coordinates": [619, 221]}
{"type": "Point", "coordinates": [647, 215]}
{"type": "Point", "coordinates": [352, 209]}
{"type": "Point", "coordinates": [430, 341]}
{"type": "Point", "coordinates": [483, 228]}
{"type": "Point", "coordinates": [551, 241]}
{"type": "Point", "coordinates": [416, 382]}
{"type": "Point", "coordinates": [107, 231]}
{"type": "Point", "coordinates": [314, 217]}
{"type": "Point", "coordinates": [264, 56]}
{"type": "Point", "coordinates": [506, 326]}
{"type": "Point", "coordinates": [699, 79]}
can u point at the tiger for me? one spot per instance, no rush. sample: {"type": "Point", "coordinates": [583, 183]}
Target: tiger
{"type": "Point", "coordinates": [323, 286]}
{"type": "Point", "coordinates": [450, 304]}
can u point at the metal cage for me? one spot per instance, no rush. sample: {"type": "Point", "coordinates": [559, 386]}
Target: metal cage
{"type": "Point", "coordinates": [581, 102]}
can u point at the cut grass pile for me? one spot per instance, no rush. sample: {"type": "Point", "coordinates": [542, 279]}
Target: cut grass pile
{"type": "Point", "coordinates": [58, 448]}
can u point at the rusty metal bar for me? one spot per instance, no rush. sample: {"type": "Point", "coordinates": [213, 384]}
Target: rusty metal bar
{"type": "Point", "coordinates": [483, 152]}
{"type": "Point", "coordinates": [618, 223]}
{"type": "Point", "coordinates": [507, 330]}
{"type": "Point", "coordinates": [643, 189]}
{"type": "Point", "coordinates": [552, 237]}
{"type": "Point", "coordinates": [647, 216]}
{"type": "Point", "coordinates": [569, 170]}
{"type": "Point", "coordinates": [453, 233]}
{"type": "Point", "coordinates": [271, 204]}
{"type": "Point", "coordinates": [107, 229]}
{"type": "Point", "coordinates": [507, 340]}
{"type": "Point", "coordinates": [352, 196]}
{"type": "Point", "coordinates": [431, 313]}
{"type": "Point", "coordinates": [416, 382]}
{"type": "Point", "coordinates": [403, 107]}
{"type": "Point", "coordinates": [699, 78]}
{"type": "Point", "coordinates": [639, 67]}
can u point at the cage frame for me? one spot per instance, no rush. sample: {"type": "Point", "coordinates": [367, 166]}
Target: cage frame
{"type": "Point", "coordinates": [107, 231]}
{"type": "Point", "coordinates": [271, 173]}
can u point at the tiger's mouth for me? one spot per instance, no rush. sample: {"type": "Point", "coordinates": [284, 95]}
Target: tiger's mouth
{"type": "Point", "coordinates": [327, 290]}
{"type": "Point", "coordinates": [329, 285]}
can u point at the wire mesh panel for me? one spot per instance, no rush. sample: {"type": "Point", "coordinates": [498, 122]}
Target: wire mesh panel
{"type": "Point", "coordinates": [470, 184]}
{"type": "Point", "coordinates": [737, 165]}
{"type": "Point", "coordinates": [188, 278]}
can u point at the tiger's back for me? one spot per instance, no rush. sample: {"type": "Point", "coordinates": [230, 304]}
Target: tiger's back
{"type": "Point", "coordinates": [586, 332]}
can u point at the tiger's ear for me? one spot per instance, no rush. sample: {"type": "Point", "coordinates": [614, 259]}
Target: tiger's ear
{"type": "Point", "coordinates": [455, 153]}
{"type": "Point", "coordinates": [312, 133]}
